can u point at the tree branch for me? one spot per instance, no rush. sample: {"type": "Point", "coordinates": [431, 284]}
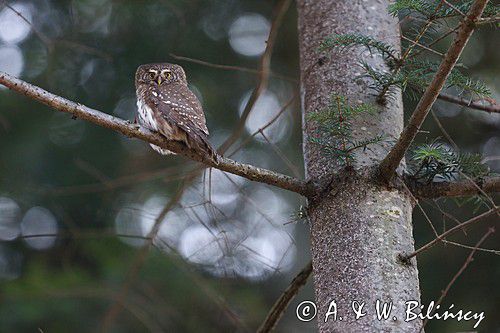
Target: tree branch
{"type": "Point", "coordinates": [460, 188]}
{"type": "Point", "coordinates": [390, 163]}
{"type": "Point", "coordinates": [230, 67]}
{"type": "Point", "coordinates": [493, 211]}
{"type": "Point", "coordinates": [125, 127]}
{"type": "Point", "coordinates": [263, 79]}
{"type": "Point", "coordinates": [489, 20]}
{"type": "Point", "coordinates": [460, 271]}
{"type": "Point", "coordinates": [493, 107]}
{"type": "Point", "coordinates": [282, 303]}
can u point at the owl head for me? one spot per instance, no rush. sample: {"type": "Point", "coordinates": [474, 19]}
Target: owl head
{"type": "Point", "coordinates": [160, 74]}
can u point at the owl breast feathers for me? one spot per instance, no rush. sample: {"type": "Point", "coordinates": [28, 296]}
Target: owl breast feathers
{"type": "Point", "coordinates": [166, 105]}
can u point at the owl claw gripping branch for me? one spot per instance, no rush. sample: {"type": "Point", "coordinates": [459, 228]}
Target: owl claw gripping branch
{"type": "Point", "coordinates": [167, 106]}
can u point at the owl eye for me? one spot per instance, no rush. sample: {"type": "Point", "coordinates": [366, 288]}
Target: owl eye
{"type": "Point", "coordinates": [151, 75]}
{"type": "Point", "coordinates": [169, 75]}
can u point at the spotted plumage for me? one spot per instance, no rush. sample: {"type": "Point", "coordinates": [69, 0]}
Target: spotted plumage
{"type": "Point", "coordinates": [166, 105]}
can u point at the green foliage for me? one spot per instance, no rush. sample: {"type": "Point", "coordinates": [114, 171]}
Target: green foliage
{"type": "Point", "coordinates": [334, 129]}
{"type": "Point", "coordinates": [435, 9]}
{"type": "Point", "coordinates": [350, 40]}
{"type": "Point", "coordinates": [476, 201]}
{"type": "Point", "coordinates": [411, 73]}
{"type": "Point", "coordinates": [429, 161]}
{"type": "Point", "coordinates": [383, 82]}
{"type": "Point", "coordinates": [418, 74]}
{"type": "Point", "coordinates": [405, 71]}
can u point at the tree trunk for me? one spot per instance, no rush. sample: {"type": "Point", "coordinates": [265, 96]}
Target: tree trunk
{"type": "Point", "coordinates": [358, 227]}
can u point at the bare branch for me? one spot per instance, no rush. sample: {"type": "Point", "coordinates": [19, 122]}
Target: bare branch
{"type": "Point", "coordinates": [451, 231]}
{"type": "Point", "coordinates": [50, 43]}
{"type": "Point", "coordinates": [489, 20]}
{"type": "Point", "coordinates": [134, 131]}
{"type": "Point", "coordinates": [390, 163]}
{"type": "Point", "coordinates": [422, 46]}
{"type": "Point", "coordinates": [282, 303]}
{"type": "Point", "coordinates": [454, 189]}
{"type": "Point", "coordinates": [460, 271]}
{"type": "Point", "coordinates": [264, 71]}
{"type": "Point", "coordinates": [229, 67]}
{"type": "Point", "coordinates": [459, 12]}
{"type": "Point", "coordinates": [165, 175]}
{"type": "Point", "coordinates": [132, 307]}
{"type": "Point", "coordinates": [493, 107]}
{"type": "Point", "coordinates": [133, 271]}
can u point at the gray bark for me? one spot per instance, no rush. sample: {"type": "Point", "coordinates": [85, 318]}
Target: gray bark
{"type": "Point", "coordinates": [358, 228]}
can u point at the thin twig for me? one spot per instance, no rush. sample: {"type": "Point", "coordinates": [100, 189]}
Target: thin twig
{"type": "Point", "coordinates": [133, 130]}
{"type": "Point", "coordinates": [489, 20]}
{"type": "Point", "coordinates": [269, 123]}
{"type": "Point", "coordinates": [451, 231]}
{"type": "Point", "coordinates": [446, 215]}
{"type": "Point", "coordinates": [137, 311]}
{"type": "Point", "coordinates": [434, 42]}
{"type": "Point", "coordinates": [480, 190]}
{"type": "Point", "coordinates": [422, 46]}
{"type": "Point", "coordinates": [264, 70]}
{"type": "Point", "coordinates": [166, 175]}
{"type": "Point", "coordinates": [229, 67]}
{"type": "Point", "coordinates": [390, 163]}
{"type": "Point", "coordinates": [50, 43]}
{"type": "Point", "coordinates": [443, 131]}
{"type": "Point", "coordinates": [496, 252]}
{"type": "Point", "coordinates": [494, 107]}
{"type": "Point", "coordinates": [459, 12]}
{"type": "Point", "coordinates": [427, 218]}
{"type": "Point", "coordinates": [428, 23]}
{"type": "Point", "coordinates": [461, 270]}
{"type": "Point", "coordinates": [283, 157]}
{"type": "Point", "coordinates": [284, 300]}
{"type": "Point", "coordinates": [115, 309]}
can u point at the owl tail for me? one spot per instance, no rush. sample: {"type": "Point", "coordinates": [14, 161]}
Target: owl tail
{"type": "Point", "coordinates": [200, 143]}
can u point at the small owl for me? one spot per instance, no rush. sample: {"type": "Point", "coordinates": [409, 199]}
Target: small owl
{"type": "Point", "coordinates": [167, 106]}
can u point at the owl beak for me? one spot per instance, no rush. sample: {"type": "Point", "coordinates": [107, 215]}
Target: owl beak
{"type": "Point", "coordinates": [159, 80]}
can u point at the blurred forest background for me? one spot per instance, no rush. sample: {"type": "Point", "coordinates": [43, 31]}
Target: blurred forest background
{"type": "Point", "coordinates": [229, 247]}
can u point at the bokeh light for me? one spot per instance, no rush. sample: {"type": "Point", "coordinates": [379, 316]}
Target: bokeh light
{"type": "Point", "coordinates": [11, 60]}
{"type": "Point", "coordinates": [9, 219]}
{"type": "Point", "coordinates": [265, 109]}
{"type": "Point", "coordinates": [248, 34]}
{"type": "Point", "coordinates": [128, 223]}
{"type": "Point", "coordinates": [39, 221]}
{"type": "Point", "coordinates": [13, 28]}
{"type": "Point", "coordinates": [200, 245]}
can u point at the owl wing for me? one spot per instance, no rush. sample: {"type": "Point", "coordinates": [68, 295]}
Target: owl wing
{"type": "Point", "coordinates": [194, 111]}
{"type": "Point", "coordinates": [183, 110]}
{"type": "Point", "coordinates": [180, 108]}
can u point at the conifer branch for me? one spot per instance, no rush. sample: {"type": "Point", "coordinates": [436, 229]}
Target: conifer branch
{"type": "Point", "coordinates": [390, 163]}
{"type": "Point", "coordinates": [459, 188]}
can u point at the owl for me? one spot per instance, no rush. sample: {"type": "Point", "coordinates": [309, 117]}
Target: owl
{"type": "Point", "coordinates": [167, 106]}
